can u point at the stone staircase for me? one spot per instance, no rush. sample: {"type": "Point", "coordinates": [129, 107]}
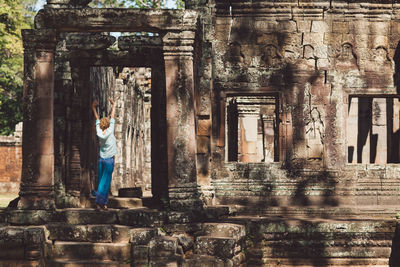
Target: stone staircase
{"type": "Point", "coordinates": [279, 236]}
{"type": "Point", "coordinates": [118, 237]}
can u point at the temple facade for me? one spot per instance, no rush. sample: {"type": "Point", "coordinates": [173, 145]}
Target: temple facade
{"type": "Point", "coordinates": [253, 108]}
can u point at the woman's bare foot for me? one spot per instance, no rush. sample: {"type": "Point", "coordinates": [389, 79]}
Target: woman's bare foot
{"type": "Point", "coordinates": [98, 207]}
{"type": "Point", "coordinates": [105, 207]}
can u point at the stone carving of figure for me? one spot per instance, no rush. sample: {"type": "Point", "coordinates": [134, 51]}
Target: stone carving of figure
{"type": "Point", "coordinates": [382, 59]}
{"type": "Point", "coordinates": [347, 58]}
{"type": "Point", "coordinates": [315, 134]}
{"type": "Point", "coordinates": [314, 126]}
{"type": "Point", "coordinates": [235, 53]}
{"type": "Point", "coordinates": [270, 56]}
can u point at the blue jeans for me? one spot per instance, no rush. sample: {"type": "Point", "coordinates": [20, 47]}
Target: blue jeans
{"type": "Point", "coordinates": [106, 168]}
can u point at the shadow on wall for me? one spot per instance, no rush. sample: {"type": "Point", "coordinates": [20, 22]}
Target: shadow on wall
{"type": "Point", "coordinates": [394, 260]}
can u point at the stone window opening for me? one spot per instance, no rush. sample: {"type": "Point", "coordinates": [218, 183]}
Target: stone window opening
{"type": "Point", "coordinates": [252, 129]}
{"type": "Point", "coordinates": [373, 130]}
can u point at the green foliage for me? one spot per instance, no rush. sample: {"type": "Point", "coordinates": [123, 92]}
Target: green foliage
{"type": "Point", "coordinates": [14, 16]}
{"type": "Point", "coordinates": [134, 3]}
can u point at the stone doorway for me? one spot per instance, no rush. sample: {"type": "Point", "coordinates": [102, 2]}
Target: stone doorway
{"type": "Point", "coordinates": [57, 145]}
{"type": "Point", "coordinates": [131, 89]}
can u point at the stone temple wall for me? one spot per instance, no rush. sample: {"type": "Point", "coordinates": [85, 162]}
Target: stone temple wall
{"type": "Point", "coordinates": [306, 102]}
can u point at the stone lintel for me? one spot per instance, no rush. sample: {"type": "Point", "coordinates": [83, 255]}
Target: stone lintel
{"type": "Point", "coordinates": [89, 41]}
{"type": "Point", "coordinates": [115, 20]}
{"type": "Point", "coordinates": [136, 57]}
{"type": "Point", "coordinates": [39, 39]}
{"type": "Point", "coordinates": [134, 42]}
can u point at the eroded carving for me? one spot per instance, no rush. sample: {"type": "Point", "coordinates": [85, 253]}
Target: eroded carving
{"type": "Point", "coordinates": [346, 59]}
{"type": "Point", "coordinates": [270, 56]}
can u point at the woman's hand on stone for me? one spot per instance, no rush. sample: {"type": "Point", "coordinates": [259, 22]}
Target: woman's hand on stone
{"type": "Point", "coordinates": [111, 101]}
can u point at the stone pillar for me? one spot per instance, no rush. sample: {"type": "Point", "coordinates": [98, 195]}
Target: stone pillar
{"type": "Point", "coordinates": [181, 141]}
{"type": "Point", "coordinates": [37, 181]}
{"type": "Point", "coordinates": [248, 128]}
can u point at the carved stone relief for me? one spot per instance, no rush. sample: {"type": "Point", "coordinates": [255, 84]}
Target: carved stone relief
{"type": "Point", "coordinates": [314, 126]}
{"type": "Point", "coordinates": [270, 56]}
{"type": "Point", "coordinates": [346, 59]}
{"type": "Point", "coordinates": [235, 55]}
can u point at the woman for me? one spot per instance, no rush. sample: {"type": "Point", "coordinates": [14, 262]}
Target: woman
{"type": "Point", "coordinates": [108, 149]}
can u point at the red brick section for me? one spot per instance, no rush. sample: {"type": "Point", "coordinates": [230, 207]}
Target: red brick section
{"type": "Point", "coordinates": [10, 167]}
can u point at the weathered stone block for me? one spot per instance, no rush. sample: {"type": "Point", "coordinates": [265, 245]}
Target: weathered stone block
{"type": "Point", "coordinates": [266, 26]}
{"type": "Point", "coordinates": [31, 217]}
{"type": "Point", "coordinates": [88, 216]}
{"type": "Point", "coordinates": [120, 233]}
{"type": "Point", "coordinates": [314, 39]}
{"type": "Point", "coordinates": [223, 247]}
{"type": "Point", "coordinates": [304, 26]}
{"type": "Point", "coordinates": [287, 26]}
{"type": "Point", "coordinates": [185, 241]}
{"type": "Point", "coordinates": [340, 26]}
{"type": "Point", "coordinates": [202, 261]}
{"type": "Point", "coordinates": [89, 41]}
{"type": "Point", "coordinates": [140, 254]}
{"type": "Point", "coordinates": [235, 231]}
{"type": "Point", "coordinates": [142, 217]}
{"type": "Point", "coordinates": [142, 236]}
{"type": "Point", "coordinates": [85, 250]}
{"type": "Point", "coordinates": [163, 246]}
{"type": "Point", "coordinates": [80, 233]}
{"type": "Point", "coordinates": [320, 26]}
{"type": "Point", "coordinates": [179, 217]}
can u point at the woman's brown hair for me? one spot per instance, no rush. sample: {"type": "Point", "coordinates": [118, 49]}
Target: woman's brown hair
{"type": "Point", "coordinates": [104, 123]}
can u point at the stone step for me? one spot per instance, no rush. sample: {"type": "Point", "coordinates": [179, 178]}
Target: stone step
{"type": "Point", "coordinates": [311, 262]}
{"type": "Point", "coordinates": [222, 247]}
{"type": "Point", "coordinates": [62, 250]}
{"type": "Point", "coordinates": [143, 217]}
{"type": "Point", "coordinates": [121, 203]}
{"type": "Point", "coordinates": [100, 233]}
{"type": "Point", "coordinates": [197, 260]}
{"type": "Point", "coordinates": [235, 231]}
{"type": "Point", "coordinates": [70, 215]}
{"type": "Point", "coordinates": [345, 212]}
{"type": "Point", "coordinates": [163, 247]}
{"type": "Point", "coordinates": [21, 263]}
{"type": "Point", "coordinates": [87, 263]}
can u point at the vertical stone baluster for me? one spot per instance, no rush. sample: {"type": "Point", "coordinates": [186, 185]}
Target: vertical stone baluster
{"type": "Point", "coordinates": [37, 181]}
{"type": "Point", "coordinates": [181, 141]}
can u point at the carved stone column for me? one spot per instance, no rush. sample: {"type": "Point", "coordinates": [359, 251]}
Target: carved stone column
{"type": "Point", "coordinates": [181, 142]}
{"type": "Point", "coordinates": [37, 181]}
